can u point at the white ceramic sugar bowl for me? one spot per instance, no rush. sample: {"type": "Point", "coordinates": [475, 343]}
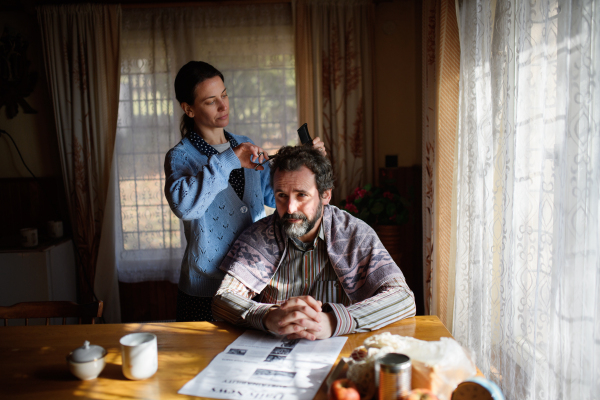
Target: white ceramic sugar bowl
{"type": "Point", "coordinates": [86, 362]}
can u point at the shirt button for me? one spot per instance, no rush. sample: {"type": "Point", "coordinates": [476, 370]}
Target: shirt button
{"type": "Point", "coordinates": [244, 209]}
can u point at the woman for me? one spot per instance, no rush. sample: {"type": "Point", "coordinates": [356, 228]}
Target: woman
{"type": "Point", "coordinates": [213, 183]}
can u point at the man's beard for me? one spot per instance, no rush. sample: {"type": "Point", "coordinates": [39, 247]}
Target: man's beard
{"type": "Point", "coordinates": [296, 230]}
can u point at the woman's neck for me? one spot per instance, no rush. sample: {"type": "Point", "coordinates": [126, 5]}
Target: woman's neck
{"type": "Point", "coordinates": [212, 136]}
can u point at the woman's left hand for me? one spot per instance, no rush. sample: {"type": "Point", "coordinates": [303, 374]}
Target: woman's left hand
{"type": "Point", "coordinates": [319, 145]}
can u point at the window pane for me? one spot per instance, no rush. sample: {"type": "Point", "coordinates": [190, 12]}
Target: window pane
{"type": "Point", "coordinates": [272, 82]}
{"type": "Point", "coordinates": [147, 166]}
{"type": "Point", "coordinates": [148, 192]}
{"type": "Point", "coordinates": [245, 83]}
{"type": "Point", "coordinates": [152, 240]}
{"type": "Point", "coordinates": [271, 110]}
{"type": "Point", "coordinates": [130, 241]}
{"type": "Point", "coordinates": [126, 165]}
{"type": "Point", "coordinates": [246, 110]}
{"type": "Point", "coordinates": [129, 218]}
{"type": "Point", "coordinates": [259, 75]}
{"type": "Point", "coordinates": [149, 218]}
{"type": "Point", "coordinates": [173, 239]}
{"type": "Point", "coordinates": [127, 191]}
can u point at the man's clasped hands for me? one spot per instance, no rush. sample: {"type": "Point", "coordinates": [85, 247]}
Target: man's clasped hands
{"type": "Point", "coordinates": [300, 318]}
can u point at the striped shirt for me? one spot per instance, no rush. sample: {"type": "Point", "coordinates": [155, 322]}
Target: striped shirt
{"type": "Point", "coordinates": [306, 270]}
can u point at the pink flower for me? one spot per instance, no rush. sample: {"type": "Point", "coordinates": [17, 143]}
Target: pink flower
{"type": "Point", "coordinates": [360, 193]}
{"type": "Point", "coordinates": [351, 207]}
{"type": "Point", "coordinates": [388, 195]}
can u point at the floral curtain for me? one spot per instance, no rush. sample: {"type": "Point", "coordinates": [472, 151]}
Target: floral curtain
{"type": "Point", "coordinates": [334, 80]}
{"type": "Point", "coordinates": [528, 196]}
{"type": "Point", "coordinates": [440, 66]}
{"type": "Point", "coordinates": [81, 54]}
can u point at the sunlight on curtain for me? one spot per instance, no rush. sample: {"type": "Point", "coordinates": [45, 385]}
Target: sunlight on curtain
{"type": "Point", "coordinates": [440, 74]}
{"type": "Point", "coordinates": [528, 186]}
{"type": "Point", "coordinates": [252, 45]}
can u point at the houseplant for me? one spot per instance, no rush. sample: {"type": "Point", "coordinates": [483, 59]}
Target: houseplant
{"type": "Point", "coordinates": [377, 206]}
{"type": "Point", "coordinates": [384, 210]}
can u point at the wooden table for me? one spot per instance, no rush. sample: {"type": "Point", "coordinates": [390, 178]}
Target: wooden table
{"type": "Point", "coordinates": [33, 363]}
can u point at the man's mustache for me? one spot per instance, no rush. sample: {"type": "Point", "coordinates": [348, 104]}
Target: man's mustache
{"type": "Point", "coordinates": [297, 215]}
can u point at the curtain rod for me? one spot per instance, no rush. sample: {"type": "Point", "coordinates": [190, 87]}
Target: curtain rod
{"type": "Point", "coordinates": [203, 3]}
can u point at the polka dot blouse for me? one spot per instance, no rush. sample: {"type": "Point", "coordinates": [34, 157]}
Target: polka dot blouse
{"type": "Point", "coordinates": [236, 178]}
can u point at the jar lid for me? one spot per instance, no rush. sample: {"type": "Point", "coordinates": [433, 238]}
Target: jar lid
{"type": "Point", "coordinates": [87, 353]}
{"type": "Point", "coordinates": [394, 362]}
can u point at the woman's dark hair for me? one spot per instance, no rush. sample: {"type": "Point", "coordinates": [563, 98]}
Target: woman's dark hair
{"type": "Point", "coordinates": [188, 77]}
{"type": "Point", "coordinates": [292, 158]}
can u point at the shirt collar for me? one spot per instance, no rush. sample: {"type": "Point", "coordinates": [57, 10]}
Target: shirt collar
{"type": "Point", "coordinates": [205, 148]}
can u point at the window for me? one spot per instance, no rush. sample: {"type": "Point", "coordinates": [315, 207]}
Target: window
{"type": "Point", "coordinates": [252, 47]}
{"type": "Point", "coordinates": [144, 131]}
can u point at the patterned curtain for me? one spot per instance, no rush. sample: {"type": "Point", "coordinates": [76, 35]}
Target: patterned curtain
{"type": "Point", "coordinates": [528, 196]}
{"type": "Point", "coordinates": [334, 84]}
{"type": "Point", "coordinates": [81, 54]}
{"type": "Point", "coordinates": [441, 65]}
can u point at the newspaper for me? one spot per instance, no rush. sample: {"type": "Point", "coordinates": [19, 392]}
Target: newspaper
{"type": "Point", "coordinates": [258, 365]}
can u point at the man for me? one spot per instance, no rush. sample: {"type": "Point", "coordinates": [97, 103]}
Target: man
{"type": "Point", "coordinates": [310, 270]}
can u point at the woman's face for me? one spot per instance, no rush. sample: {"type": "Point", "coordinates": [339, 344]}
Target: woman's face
{"type": "Point", "coordinates": [211, 105]}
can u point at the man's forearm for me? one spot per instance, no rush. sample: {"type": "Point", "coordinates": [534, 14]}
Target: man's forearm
{"type": "Point", "coordinates": [234, 308]}
{"type": "Point", "coordinates": [383, 309]}
{"type": "Point", "coordinates": [393, 302]}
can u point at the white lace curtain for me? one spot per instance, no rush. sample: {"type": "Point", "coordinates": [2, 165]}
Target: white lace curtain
{"type": "Point", "coordinates": [252, 45]}
{"type": "Point", "coordinates": [528, 157]}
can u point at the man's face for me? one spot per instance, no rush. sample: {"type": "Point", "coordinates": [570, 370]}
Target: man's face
{"type": "Point", "coordinates": [298, 202]}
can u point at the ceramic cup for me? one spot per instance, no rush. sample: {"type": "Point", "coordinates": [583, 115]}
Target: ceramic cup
{"type": "Point", "coordinates": [29, 237]}
{"type": "Point", "coordinates": [54, 228]}
{"type": "Point", "coordinates": [140, 355]}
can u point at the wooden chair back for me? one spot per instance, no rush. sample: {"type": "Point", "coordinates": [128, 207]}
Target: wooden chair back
{"type": "Point", "coordinates": [52, 309]}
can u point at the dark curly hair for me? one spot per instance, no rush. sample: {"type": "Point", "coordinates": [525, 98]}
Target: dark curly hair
{"type": "Point", "coordinates": [188, 77]}
{"type": "Point", "coordinates": [292, 158]}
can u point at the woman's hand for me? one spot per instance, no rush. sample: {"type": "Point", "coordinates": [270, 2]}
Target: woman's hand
{"type": "Point", "coordinates": [250, 155]}
{"type": "Point", "coordinates": [318, 144]}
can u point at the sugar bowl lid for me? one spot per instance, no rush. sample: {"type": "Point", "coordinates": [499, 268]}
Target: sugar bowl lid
{"type": "Point", "coordinates": [87, 352]}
